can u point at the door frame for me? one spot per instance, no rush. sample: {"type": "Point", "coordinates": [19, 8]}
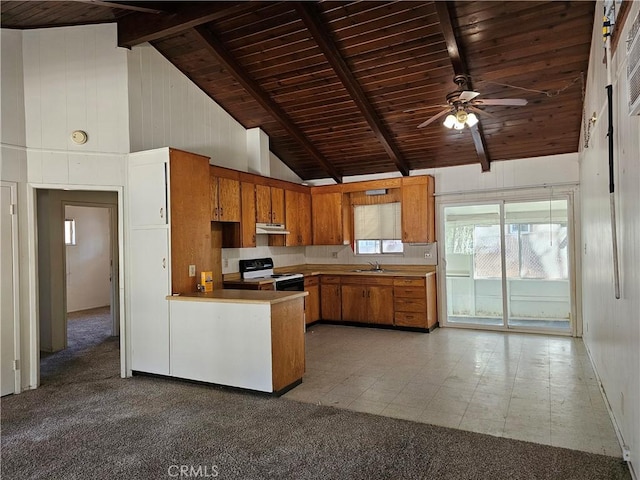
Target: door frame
{"type": "Point", "coordinates": [15, 258]}
{"type": "Point", "coordinates": [32, 238]}
{"type": "Point", "coordinates": [525, 194]}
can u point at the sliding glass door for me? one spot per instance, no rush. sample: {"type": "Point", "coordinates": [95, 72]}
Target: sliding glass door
{"type": "Point", "coordinates": [507, 265]}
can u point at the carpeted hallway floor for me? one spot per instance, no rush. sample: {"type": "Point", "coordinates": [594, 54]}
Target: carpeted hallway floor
{"type": "Point", "coordinates": [86, 422]}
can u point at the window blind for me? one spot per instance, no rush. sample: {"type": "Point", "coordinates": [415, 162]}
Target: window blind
{"type": "Point", "coordinates": [374, 222]}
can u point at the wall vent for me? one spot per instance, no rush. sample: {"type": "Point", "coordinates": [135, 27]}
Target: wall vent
{"type": "Point", "coordinates": [633, 67]}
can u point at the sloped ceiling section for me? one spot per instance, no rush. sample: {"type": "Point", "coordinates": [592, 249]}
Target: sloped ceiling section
{"type": "Point", "coordinates": [340, 87]}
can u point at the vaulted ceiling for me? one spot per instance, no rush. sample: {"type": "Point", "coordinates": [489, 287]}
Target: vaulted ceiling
{"type": "Point", "coordinates": [340, 87]}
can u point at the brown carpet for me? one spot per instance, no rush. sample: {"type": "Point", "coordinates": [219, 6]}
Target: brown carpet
{"type": "Point", "coordinates": [86, 422]}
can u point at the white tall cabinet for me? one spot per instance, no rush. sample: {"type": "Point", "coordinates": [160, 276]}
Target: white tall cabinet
{"type": "Point", "coordinates": [149, 260]}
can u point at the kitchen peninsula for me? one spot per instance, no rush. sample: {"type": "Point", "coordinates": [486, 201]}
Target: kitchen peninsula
{"type": "Point", "coordinates": [238, 338]}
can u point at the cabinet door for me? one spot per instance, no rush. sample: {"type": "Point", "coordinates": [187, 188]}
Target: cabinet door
{"type": "Point", "coordinates": [263, 204]}
{"type": "Point", "coordinates": [248, 220]}
{"type": "Point", "coordinates": [418, 221]}
{"type": "Point", "coordinates": [312, 304]}
{"type": "Point", "coordinates": [229, 200]}
{"type": "Point", "coordinates": [277, 205]}
{"type": "Point", "coordinates": [327, 218]}
{"type": "Point", "coordinates": [380, 301]}
{"type": "Point", "coordinates": [148, 194]}
{"type": "Point", "coordinates": [304, 218]}
{"type": "Point", "coordinates": [330, 299]}
{"type": "Point", "coordinates": [214, 194]}
{"type": "Point", "coordinates": [149, 320]}
{"type": "Point", "coordinates": [292, 210]}
{"type": "Point", "coordinates": [354, 303]}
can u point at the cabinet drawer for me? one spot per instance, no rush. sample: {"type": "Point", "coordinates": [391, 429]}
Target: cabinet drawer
{"type": "Point", "coordinates": [310, 281]}
{"type": "Point", "coordinates": [409, 319]}
{"type": "Point", "coordinates": [329, 279]}
{"type": "Point", "coordinates": [417, 293]}
{"type": "Point", "coordinates": [408, 282]}
{"type": "Point", "coordinates": [367, 280]}
{"type": "Point", "coordinates": [410, 305]}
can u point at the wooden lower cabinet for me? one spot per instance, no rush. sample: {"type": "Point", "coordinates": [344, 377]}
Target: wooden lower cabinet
{"type": "Point", "coordinates": [415, 302]}
{"type": "Point", "coordinates": [312, 301]}
{"type": "Point", "coordinates": [330, 298]}
{"type": "Point", "coordinates": [367, 300]}
{"type": "Point", "coordinates": [395, 301]}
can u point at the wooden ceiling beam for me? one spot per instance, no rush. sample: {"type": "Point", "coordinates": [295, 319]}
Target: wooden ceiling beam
{"type": "Point", "coordinates": [221, 53]}
{"type": "Point", "coordinates": [132, 6]}
{"type": "Point", "coordinates": [139, 28]}
{"type": "Point", "coordinates": [460, 68]}
{"type": "Point", "coordinates": [320, 33]}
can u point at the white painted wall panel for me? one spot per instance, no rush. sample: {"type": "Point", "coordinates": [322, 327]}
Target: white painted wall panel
{"type": "Point", "coordinates": [223, 343]}
{"type": "Point", "coordinates": [612, 327]}
{"type": "Point", "coordinates": [75, 78]}
{"type": "Point", "coordinates": [12, 129]}
{"type": "Point", "coordinates": [167, 109]}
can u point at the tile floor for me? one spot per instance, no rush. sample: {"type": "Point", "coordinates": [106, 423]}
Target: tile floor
{"type": "Point", "coordinates": [529, 387]}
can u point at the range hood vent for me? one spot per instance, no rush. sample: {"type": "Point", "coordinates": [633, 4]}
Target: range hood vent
{"type": "Point", "coordinates": [271, 229]}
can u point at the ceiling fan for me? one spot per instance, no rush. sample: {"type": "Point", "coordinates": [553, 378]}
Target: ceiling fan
{"type": "Point", "coordinates": [462, 106]}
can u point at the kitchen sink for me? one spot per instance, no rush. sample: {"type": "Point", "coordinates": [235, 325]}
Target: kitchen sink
{"type": "Point", "coordinates": [372, 270]}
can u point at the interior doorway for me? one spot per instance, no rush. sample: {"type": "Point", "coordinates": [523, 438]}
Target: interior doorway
{"type": "Point", "coordinates": [78, 263]}
{"type": "Point", "coordinates": [508, 265]}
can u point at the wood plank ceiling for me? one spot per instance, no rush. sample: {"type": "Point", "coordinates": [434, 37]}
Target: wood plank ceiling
{"type": "Point", "coordinates": [340, 87]}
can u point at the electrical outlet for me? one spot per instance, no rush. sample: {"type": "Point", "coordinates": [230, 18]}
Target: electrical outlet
{"type": "Point", "coordinates": [225, 263]}
{"type": "Point", "coordinates": [626, 454]}
{"type": "Point", "coordinates": [192, 270]}
{"type": "Point", "coordinates": [427, 254]}
{"type": "Point", "coordinates": [334, 254]}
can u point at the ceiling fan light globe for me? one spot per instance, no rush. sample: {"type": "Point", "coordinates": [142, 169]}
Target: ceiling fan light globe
{"type": "Point", "coordinates": [472, 119]}
{"type": "Point", "coordinates": [450, 121]}
{"type": "Point", "coordinates": [461, 116]}
{"type": "Point", "coordinates": [458, 126]}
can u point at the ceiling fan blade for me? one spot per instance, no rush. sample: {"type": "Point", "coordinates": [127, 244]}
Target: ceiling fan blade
{"type": "Point", "coordinates": [501, 101]}
{"type": "Point", "coordinates": [468, 95]}
{"type": "Point", "coordinates": [471, 108]}
{"type": "Point", "coordinates": [434, 118]}
{"type": "Point", "coordinates": [429, 107]}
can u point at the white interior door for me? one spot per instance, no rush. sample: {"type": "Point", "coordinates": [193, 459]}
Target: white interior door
{"type": "Point", "coordinates": [7, 294]}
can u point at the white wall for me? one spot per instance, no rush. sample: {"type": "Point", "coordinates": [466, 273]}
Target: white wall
{"type": "Point", "coordinates": [612, 327]}
{"type": "Point", "coordinates": [55, 81]}
{"type": "Point", "coordinates": [75, 78]}
{"type": "Point", "coordinates": [167, 109]}
{"type": "Point", "coordinates": [88, 262]}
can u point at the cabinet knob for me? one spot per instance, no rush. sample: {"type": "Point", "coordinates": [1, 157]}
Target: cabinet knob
{"type": "Point", "coordinates": [221, 212]}
{"type": "Point", "coordinates": [161, 212]}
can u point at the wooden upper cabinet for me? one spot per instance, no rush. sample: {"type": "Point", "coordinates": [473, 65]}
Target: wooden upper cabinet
{"type": "Point", "coordinates": [297, 218]}
{"type": "Point", "coordinates": [225, 198]}
{"type": "Point", "coordinates": [248, 214]}
{"type": "Point", "coordinates": [328, 224]}
{"type": "Point", "coordinates": [269, 204]}
{"type": "Point", "coordinates": [277, 205]}
{"type": "Point", "coordinates": [304, 218]}
{"type": "Point", "coordinates": [263, 204]}
{"type": "Point", "coordinates": [418, 216]}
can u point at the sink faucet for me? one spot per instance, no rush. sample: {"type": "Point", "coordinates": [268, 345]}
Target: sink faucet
{"type": "Point", "coordinates": [375, 265]}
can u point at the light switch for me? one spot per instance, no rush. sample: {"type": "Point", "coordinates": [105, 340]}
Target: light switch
{"type": "Point", "coordinates": [192, 270]}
